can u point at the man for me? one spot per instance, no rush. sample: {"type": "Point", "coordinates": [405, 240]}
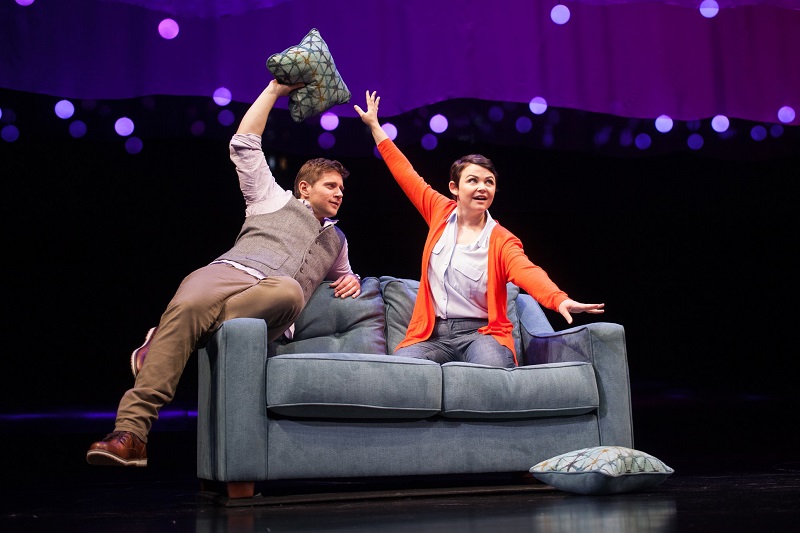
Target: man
{"type": "Point", "coordinates": [287, 245]}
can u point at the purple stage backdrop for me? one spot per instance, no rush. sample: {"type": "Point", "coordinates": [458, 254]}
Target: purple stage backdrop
{"type": "Point", "coordinates": [627, 58]}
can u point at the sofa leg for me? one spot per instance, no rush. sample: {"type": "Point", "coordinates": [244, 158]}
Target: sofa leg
{"type": "Point", "coordinates": [241, 489]}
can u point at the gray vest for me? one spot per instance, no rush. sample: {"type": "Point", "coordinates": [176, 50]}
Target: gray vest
{"type": "Point", "coordinates": [288, 242]}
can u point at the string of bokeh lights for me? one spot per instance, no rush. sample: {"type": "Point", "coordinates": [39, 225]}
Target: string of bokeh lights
{"type": "Point", "coordinates": [560, 14]}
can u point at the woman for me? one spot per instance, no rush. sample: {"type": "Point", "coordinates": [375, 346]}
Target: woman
{"type": "Point", "coordinates": [460, 313]}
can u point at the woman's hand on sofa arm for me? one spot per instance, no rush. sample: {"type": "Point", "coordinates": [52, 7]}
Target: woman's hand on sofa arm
{"type": "Point", "coordinates": [569, 306]}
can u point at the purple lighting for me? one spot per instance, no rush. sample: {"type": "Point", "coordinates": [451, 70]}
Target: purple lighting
{"type": "Point", "coordinates": [524, 124]}
{"type": "Point", "coordinates": [198, 127]}
{"type": "Point", "coordinates": [390, 129]}
{"type": "Point", "coordinates": [222, 97]}
{"type": "Point", "coordinates": [226, 117]}
{"type": "Point", "coordinates": [695, 141]}
{"type": "Point", "coordinates": [559, 14]}
{"type": "Point", "coordinates": [786, 114]}
{"type": "Point", "coordinates": [64, 109]}
{"type": "Point", "coordinates": [709, 8]}
{"type": "Point", "coordinates": [133, 145]}
{"type": "Point", "coordinates": [168, 29]}
{"type": "Point", "coordinates": [326, 140]}
{"type": "Point", "coordinates": [643, 141]}
{"type": "Point", "coordinates": [438, 124]}
{"type": "Point", "coordinates": [537, 105]}
{"type": "Point", "coordinates": [9, 133]}
{"type": "Point", "coordinates": [664, 124]}
{"type": "Point", "coordinates": [123, 126]}
{"type": "Point", "coordinates": [758, 133]}
{"type": "Point", "coordinates": [429, 141]}
{"type": "Point", "coordinates": [24, 3]}
{"type": "Point", "coordinates": [495, 113]}
{"type": "Point", "coordinates": [720, 123]}
{"type": "Point", "coordinates": [77, 129]}
{"type": "Point", "coordinates": [329, 121]}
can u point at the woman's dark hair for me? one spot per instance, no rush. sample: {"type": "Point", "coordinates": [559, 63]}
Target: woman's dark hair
{"type": "Point", "coordinates": [473, 159]}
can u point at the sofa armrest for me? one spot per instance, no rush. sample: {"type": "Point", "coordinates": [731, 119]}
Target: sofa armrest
{"type": "Point", "coordinates": [603, 345]}
{"type": "Point", "coordinates": [232, 444]}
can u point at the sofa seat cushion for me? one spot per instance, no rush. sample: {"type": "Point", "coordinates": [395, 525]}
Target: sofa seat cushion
{"type": "Point", "coordinates": [535, 391]}
{"type": "Point", "coordinates": [340, 385]}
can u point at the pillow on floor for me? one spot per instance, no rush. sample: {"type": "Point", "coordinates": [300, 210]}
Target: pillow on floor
{"type": "Point", "coordinates": [602, 470]}
{"type": "Point", "coordinates": [309, 62]}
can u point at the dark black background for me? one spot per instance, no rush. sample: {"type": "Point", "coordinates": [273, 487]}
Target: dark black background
{"type": "Point", "coordinates": [693, 252]}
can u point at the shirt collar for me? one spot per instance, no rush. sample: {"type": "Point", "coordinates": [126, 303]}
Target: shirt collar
{"type": "Point", "coordinates": [325, 221]}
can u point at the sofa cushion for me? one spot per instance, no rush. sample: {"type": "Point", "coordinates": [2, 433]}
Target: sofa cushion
{"type": "Point", "coordinates": [347, 325]}
{"type": "Point", "coordinates": [602, 470]}
{"type": "Point", "coordinates": [339, 385]}
{"type": "Point", "coordinates": [557, 389]}
{"type": "Point", "coordinates": [399, 296]}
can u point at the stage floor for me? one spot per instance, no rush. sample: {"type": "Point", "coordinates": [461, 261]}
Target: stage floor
{"type": "Point", "coordinates": [720, 484]}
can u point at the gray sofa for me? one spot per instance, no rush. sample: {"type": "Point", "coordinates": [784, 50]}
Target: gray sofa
{"type": "Point", "coordinates": [332, 404]}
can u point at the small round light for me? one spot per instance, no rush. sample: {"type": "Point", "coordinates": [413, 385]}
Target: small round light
{"type": "Point", "coordinates": [326, 140]}
{"type": "Point", "coordinates": [709, 8]}
{"type": "Point", "coordinates": [537, 105]}
{"type": "Point", "coordinates": [664, 124]}
{"type": "Point", "coordinates": [133, 145]}
{"type": "Point", "coordinates": [77, 129]}
{"type": "Point", "coordinates": [168, 29]}
{"type": "Point", "coordinates": [9, 133]}
{"type": "Point", "coordinates": [390, 129]}
{"type": "Point", "coordinates": [720, 123]}
{"type": "Point", "coordinates": [695, 141]}
{"type": "Point", "coordinates": [786, 114]}
{"type": "Point", "coordinates": [123, 126]}
{"type": "Point", "coordinates": [222, 97]}
{"type": "Point", "coordinates": [438, 124]}
{"type": "Point", "coordinates": [226, 117]}
{"type": "Point", "coordinates": [758, 133]}
{"type": "Point", "coordinates": [64, 109]}
{"type": "Point", "coordinates": [329, 121]}
{"type": "Point", "coordinates": [560, 14]}
{"type": "Point", "coordinates": [429, 141]}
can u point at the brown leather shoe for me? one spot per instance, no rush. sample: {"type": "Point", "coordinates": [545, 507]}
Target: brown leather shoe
{"type": "Point", "coordinates": [138, 355]}
{"type": "Point", "coordinates": [120, 448]}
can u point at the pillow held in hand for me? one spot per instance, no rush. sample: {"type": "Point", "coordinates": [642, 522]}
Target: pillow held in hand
{"type": "Point", "coordinates": [309, 62]}
{"type": "Point", "coordinates": [602, 470]}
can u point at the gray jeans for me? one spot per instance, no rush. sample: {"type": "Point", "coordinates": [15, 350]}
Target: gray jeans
{"type": "Point", "coordinates": [457, 339]}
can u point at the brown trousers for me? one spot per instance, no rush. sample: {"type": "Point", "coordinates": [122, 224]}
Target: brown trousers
{"type": "Point", "coordinates": [205, 299]}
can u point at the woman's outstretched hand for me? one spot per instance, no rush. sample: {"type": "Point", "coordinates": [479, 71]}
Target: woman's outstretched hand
{"type": "Point", "coordinates": [370, 116]}
{"type": "Point", "coordinates": [571, 306]}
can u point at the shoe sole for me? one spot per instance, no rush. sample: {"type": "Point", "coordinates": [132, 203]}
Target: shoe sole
{"type": "Point", "coordinates": [99, 457]}
{"type": "Point", "coordinates": [133, 354]}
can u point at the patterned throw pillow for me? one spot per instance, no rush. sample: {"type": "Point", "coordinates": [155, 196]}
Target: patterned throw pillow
{"type": "Point", "coordinates": [602, 470]}
{"type": "Point", "coordinates": [309, 62]}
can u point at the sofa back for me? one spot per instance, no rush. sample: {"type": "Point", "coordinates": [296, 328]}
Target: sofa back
{"type": "Point", "coordinates": [376, 321]}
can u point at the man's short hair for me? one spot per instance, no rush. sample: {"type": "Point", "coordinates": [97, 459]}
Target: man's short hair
{"type": "Point", "coordinates": [313, 169]}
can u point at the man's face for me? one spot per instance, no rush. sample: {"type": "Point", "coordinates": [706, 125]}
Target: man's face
{"type": "Point", "coordinates": [325, 196]}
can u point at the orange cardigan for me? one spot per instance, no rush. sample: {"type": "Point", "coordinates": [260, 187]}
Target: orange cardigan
{"type": "Point", "coordinates": [507, 260]}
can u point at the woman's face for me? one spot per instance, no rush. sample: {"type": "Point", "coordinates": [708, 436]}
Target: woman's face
{"type": "Point", "coordinates": [475, 188]}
